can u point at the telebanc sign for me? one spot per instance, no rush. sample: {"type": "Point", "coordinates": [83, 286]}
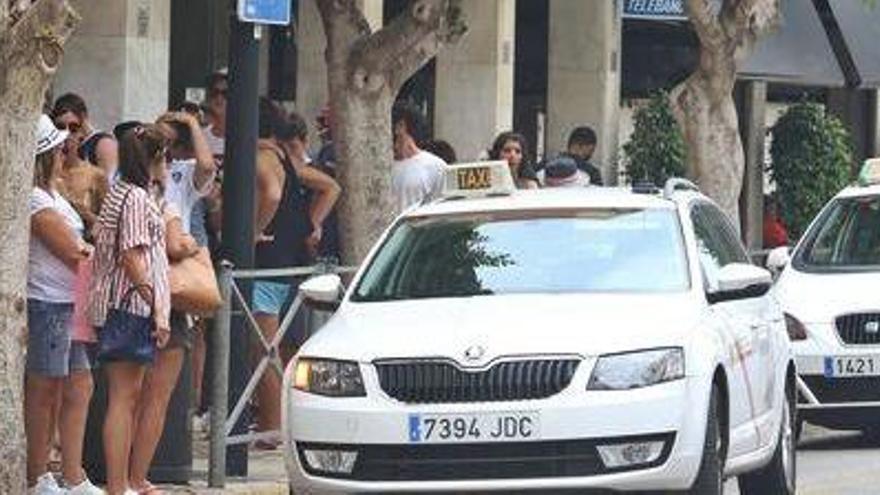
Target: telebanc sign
{"type": "Point", "coordinates": [654, 9]}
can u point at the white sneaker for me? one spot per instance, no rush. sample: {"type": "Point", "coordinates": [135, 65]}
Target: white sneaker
{"type": "Point", "coordinates": [85, 488]}
{"type": "Point", "coordinates": [46, 485]}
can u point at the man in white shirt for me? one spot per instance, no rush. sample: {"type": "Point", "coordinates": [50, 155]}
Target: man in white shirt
{"type": "Point", "coordinates": [417, 176]}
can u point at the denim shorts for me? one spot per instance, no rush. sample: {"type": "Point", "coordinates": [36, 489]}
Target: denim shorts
{"type": "Point", "coordinates": [269, 297]}
{"type": "Point", "coordinates": [50, 351]}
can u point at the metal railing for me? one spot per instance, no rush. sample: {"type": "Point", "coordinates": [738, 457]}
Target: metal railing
{"type": "Point", "coordinates": [222, 422]}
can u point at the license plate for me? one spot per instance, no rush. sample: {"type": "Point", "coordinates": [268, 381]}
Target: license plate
{"type": "Point", "coordinates": [478, 427]}
{"type": "Point", "coordinates": [839, 366]}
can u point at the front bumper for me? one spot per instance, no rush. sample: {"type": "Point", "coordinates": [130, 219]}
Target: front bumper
{"type": "Point", "coordinates": [822, 396]}
{"type": "Point", "coordinates": [573, 422]}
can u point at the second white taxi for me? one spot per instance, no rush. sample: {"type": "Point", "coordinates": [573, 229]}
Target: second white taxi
{"type": "Point", "coordinates": [509, 340]}
{"type": "Point", "coordinates": [828, 288]}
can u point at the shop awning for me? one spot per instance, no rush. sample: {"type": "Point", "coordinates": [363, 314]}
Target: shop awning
{"type": "Point", "coordinates": [859, 23]}
{"type": "Point", "coordinates": [798, 52]}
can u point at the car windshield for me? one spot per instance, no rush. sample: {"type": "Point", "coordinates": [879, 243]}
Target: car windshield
{"type": "Point", "coordinates": [845, 238]}
{"type": "Point", "coordinates": [605, 250]}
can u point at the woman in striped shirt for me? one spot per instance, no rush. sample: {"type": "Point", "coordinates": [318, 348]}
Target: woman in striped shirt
{"type": "Point", "coordinates": [130, 252]}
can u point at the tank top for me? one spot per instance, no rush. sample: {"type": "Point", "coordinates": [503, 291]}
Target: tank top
{"type": "Point", "coordinates": [289, 227]}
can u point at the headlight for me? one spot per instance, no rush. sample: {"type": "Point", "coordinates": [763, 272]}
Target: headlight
{"type": "Point", "coordinates": [329, 377]}
{"type": "Point", "coordinates": [637, 369]}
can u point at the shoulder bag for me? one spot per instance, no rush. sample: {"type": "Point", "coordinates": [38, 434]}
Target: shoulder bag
{"type": "Point", "coordinates": [126, 336]}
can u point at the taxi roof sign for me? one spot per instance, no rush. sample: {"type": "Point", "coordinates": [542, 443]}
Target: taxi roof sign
{"type": "Point", "coordinates": [870, 173]}
{"type": "Point", "coordinates": [478, 180]}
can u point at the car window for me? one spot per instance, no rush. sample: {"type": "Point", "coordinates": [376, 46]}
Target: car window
{"type": "Point", "coordinates": [728, 239]}
{"type": "Point", "coordinates": [717, 245]}
{"type": "Point", "coordinates": [608, 250]}
{"type": "Point", "coordinates": [845, 237]}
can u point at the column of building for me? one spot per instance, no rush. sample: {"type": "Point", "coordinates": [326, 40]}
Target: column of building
{"type": "Point", "coordinates": [474, 80]}
{"type": "Point", "coordinates": [118, 59]}
{"type": "Point", "coordinates": [583, 86]}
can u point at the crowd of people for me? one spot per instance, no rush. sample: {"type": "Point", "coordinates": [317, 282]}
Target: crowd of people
{"type": "Point", "coordinates": [110, 215]}
{"type": "Point", "coordinates": [417, 173]}
{"type": "Point", "coordinates": [112, 212]}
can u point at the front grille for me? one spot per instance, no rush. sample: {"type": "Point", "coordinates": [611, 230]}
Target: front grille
{"type": "Point", "coordinates": [481, 461]}
{"type": "Point", "coordinates": [859, 328]}
{"type": "Point", "coordinates": [831, 390]}
{"type": "Point", "coordinates": [424, 382]}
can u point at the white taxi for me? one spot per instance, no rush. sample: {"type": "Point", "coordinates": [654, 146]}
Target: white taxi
{"type": "Point", "coordinates": [591, 338]}
{"type": "Point", "coordinates": [829, 291]}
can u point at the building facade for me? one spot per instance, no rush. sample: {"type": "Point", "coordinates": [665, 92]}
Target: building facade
{"type": "Point", "coordinates": [541, 67]}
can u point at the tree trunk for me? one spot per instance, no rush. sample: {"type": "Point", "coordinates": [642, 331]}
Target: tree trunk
{"type": "Point", "coordinates": [31, 40]}
{"type": "Point", "coordinates": [366, 207]}
{"type": "Point", "coordinates": [704, 102]}
{"type": "Point", "coordinates": [365, 71]}
{"type": "Point", "coordinates": [362, 138]}
{"type": "Point", "coordinates": [708, 118]}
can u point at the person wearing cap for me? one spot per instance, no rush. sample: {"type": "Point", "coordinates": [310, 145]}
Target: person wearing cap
{"type": "Point", "coordinates": [581, 145]}
{"type": "Point", "coordinates": [563, 171]}
{"type": "Point", "coordinates": [56, 368]}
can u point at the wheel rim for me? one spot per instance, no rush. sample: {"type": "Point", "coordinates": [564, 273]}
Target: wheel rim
{"type": "Point", "coordinates": [788, 447]}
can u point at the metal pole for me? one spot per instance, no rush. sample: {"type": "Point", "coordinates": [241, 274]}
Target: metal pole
{"type": "Point", "coordinates": [220, 381]}
{"type": "Point", "coordinates": [238, 199]}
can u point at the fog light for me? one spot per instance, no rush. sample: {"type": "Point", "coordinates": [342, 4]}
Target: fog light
{"type": "Point", "coordinates": [331, 461]}
{"type": "Point", "coordinates": [630, 454]}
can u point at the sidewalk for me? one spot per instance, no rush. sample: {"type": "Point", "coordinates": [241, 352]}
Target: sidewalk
{"type": "Point", "coordinates": [266, 475]}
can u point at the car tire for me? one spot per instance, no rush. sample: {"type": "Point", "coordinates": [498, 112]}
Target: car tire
{"type": "Point", "coordinates": [710, 478]}
{"type": "Point", "coordinates": [779, 476]}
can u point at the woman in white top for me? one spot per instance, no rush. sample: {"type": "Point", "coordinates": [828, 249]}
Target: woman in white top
{"type": "Point", "coordinates": [55, 367]}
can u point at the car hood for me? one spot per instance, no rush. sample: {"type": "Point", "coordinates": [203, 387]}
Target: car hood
{"type": "Point", "coordinates": [504, 326]}
{"type": "Point", "coordinates": [821, 297]}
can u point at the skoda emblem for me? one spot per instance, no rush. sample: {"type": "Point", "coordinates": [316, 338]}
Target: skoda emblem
{"type": "Point", "coordinates": [872, 327]}
{"type": "Point", "coordinates": [474, 353]}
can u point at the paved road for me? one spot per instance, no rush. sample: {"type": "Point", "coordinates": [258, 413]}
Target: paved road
{"type": "Point", "coordinates": [835, 463]}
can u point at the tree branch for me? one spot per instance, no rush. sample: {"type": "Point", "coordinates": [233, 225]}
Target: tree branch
{"type": "Point", "coordinates": [39, 35]}
{"type": "Point", "coordinates": [753, 17]}
{"type": "Point", "coordinates": [352, 17]}
{"type": "Point", "coordinates": [706, 23]}
{"type": "Point", "coordinates": [344, 23]}
{"type": "Point", "coordinates": [399, 49]}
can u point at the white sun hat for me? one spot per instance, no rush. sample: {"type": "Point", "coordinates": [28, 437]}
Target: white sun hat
{"type": "Point", "coordinates": [48, 136]}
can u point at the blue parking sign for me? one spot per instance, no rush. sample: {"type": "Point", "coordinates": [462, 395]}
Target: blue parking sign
{"type": "Point", "coordinates": [264, 11]}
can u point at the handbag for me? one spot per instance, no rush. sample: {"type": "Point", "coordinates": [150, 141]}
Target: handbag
{"type": "Point", "coordinates": [193, 284]}
{"type": "Point", "coordinates": [126, 336]}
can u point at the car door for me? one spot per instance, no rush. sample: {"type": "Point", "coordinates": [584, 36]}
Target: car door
{"type": "Point", "coordinates": [755, 313]}
{"type": "Point", "coordinates": [715, 252]}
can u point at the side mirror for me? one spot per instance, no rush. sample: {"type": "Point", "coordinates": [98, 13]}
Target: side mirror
{"type": "Point", "coordinates": [740, 281]}
{"type": "Point", "coordinates": [322, 292]}
{"type": "Point", "coordinates": [778, 258]}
